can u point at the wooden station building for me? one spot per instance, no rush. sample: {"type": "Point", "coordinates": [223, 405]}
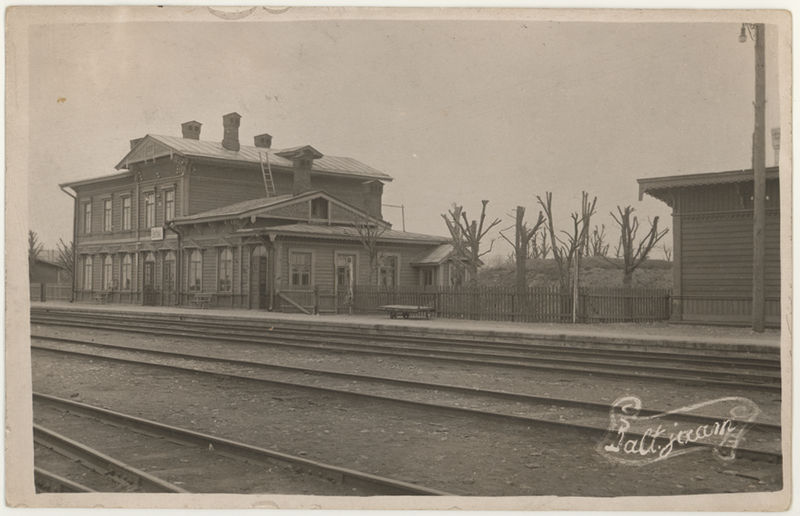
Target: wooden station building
{"type": "Point", "coordinates": [712, 232]}
{"type": "Point", "coordinates": [224, 224]}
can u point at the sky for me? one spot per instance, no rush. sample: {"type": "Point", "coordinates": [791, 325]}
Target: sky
{"type": "Point", "coordinates": [454, 110]}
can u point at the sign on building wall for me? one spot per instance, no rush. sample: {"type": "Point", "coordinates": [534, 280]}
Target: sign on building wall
{"type": "Point", "coordinates": [157, 233]}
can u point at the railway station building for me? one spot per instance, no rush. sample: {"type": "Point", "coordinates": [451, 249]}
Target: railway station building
{"type": "Point", "coordinates": [188, 221]}
{"type": "Point", "coordinates": [712, 232]}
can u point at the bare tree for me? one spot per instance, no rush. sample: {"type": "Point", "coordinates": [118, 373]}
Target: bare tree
{"type": "Point", "coordinates": [597, 245]}
{"type": "Point", "coordinates": [634, 254]}
{"type": "Point", "coordinates": [540, 247]}
{"type": "Point", "coordinates": [35, 248]}
{"type": "Point", "coordinates": [369, 233]}
{"type": "Point", "coordinates": [522, 238]}
{"type": "Point", "coordinates": [65, 257]}
{"type": "Point", "coordinates": [565, 249]}
{"type": "Point", "coordinates": [667, 252]}
{"type": "Point", "coordinates": [466, 237]}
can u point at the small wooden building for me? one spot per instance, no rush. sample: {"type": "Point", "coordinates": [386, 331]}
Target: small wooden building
{"type": "Point", "coordinates": [712, 232]}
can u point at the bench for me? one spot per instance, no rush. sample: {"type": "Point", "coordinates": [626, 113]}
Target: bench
{"type": "Point", "coordinates": [407, 310]}
{"type": "Point", "coordinates": [201, 300]}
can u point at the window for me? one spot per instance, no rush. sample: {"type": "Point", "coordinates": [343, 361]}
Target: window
{"type": "Point", "coordinates": [225, 270]}
{"type": "Point", "coordinates": [87, 273]}
{"type": "Point", "coordinates": [108, 272]}
{"type": "Point", "coordinates": [126, 213]}
{"type": "Point", "coordinates": [169, 205]}
{"type": "Point", "coordinates": [387, 271]}
{"type": "Point", "coordinates": [149, 210]}
{"type": "Point", "coordinates": [107, 215]}
{"type": "Point", "coordinates": [319, 208]}
{"type": "Point", "coordinates": [345, 272]}
{"type": "Point", "coordinates": [125, 276]}
{"type": "Point", "coordinates": [300, 269]}
{"type": "Point", "coordinates": [195, 271]}
{"type": "Point", "coordinates": [427, 277]}
{"type": "Point", "coordinates": [169, 272]}
{"type": "Point", "coordinates": [87, 218]}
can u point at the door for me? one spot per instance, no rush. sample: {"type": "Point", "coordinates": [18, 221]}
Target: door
{"type": "Point", "coordinates": [259, 279]}
{"type": "Point", "coordinates": [344, 281]}
{"type": "Point", "coordinates": [149, 292]}
{"type": "Point", "coordinates": [168, 280]}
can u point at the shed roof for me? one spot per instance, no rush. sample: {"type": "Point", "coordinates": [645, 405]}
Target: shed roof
{"type": "Point", "coordinates": [249, 154]}
{"type": "Point", "coordinates": [435, 256]}
{"type": "Point", "coordinates": [658, 186]}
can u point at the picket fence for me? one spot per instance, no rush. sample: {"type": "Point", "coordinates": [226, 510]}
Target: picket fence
{"type": "Point", "coordinates": [534, 304]}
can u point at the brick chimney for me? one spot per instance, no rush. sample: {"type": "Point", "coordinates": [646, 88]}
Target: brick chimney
{"type": "Point", "coordinates": [302, 159]}
{"type": "Point", "coordinates": [191, 130]}
{"type": "Point", "coordinates": [263, 140]}
{"type": "Point", "coordinates": [372, 195]}
{"type": "Point", "coordinates": [230, 123]}
{"type": "Point", "coordinates": [135, 142]}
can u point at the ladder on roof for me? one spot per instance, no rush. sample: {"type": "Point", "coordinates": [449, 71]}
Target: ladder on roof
{"type": "Point", "coordinates": [266, 173]}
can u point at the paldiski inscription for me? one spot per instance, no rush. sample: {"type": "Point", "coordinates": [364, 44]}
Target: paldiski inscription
{"type": "Point", "coordinates": [638, 440]}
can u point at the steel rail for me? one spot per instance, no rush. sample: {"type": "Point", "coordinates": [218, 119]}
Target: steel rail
{"type": "Point", "coordinates": [332, 332]}
{"type": "Point", "coordinates": [52, 483]}
{"type": "Point", "coordinates": [345, 476]}
{"type": "Point", "coordinates": [723, 378]}
{"type": "Point", "coordinates": [527, 420]}
{"type": "Point", "coordinates": [67, 447]}
{"type": "Point", "coordinates": [427, 386]}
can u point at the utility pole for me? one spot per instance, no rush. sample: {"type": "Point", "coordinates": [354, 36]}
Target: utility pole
{"type": "Point", "coordinates": [756, 31]}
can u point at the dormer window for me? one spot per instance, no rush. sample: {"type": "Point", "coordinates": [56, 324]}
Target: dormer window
{"type": "Point", "coordinates": [319, 208]}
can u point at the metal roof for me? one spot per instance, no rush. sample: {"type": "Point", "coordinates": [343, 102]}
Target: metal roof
{"type": "Point", "coordinates": [92, 180]}
{"type": "Point", "coordinates": [253, 155]}
{"type": "Point", "coordinates": [342, 232]}
{"type": "Point", "coordinates": [238, 208]}
{"type": "Point", "coordinates": [436, 256]}
{"type": "Point", "coordinates": [650, 185]}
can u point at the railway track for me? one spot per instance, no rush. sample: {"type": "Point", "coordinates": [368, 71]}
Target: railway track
{"type": "Point", "coordinates": [178, 459]}
{"type": "Point", "coordinates": [686, 365]}
{"type": "Point", "coordinates": [763, 438]}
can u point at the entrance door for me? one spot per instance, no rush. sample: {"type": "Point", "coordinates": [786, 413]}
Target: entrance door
{"type": "Point", "coordinates": [259, 282]}
{"type": "Point", "coordinates": [149, 292]}
{"type": "Point", "coordinates": [344, 280]}
{"type": "Point", "coordinates": [168, 280]}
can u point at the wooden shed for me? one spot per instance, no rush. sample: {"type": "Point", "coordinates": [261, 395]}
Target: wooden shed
{"type": "Point", "coordinates": [712, 231]}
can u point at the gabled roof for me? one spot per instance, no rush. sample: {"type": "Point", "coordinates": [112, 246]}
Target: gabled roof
{"type": "Point", "coordinates": [342, 233]}
{"type": "Point", "coordinates": [261, 207]}
{"type": "Point", "coordinates": [155, 146]}
{"type": "Point", "coordinates": [652, 185]}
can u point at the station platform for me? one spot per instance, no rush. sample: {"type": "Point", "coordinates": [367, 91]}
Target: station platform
{"type": "Point", "coordinates": [640, 334]}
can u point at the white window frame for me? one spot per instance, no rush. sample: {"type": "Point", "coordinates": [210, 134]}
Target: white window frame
{"type": "Point", "coordinates": [122, 275]}
{"type": "Point", "coordinates": [86, 211]}
{"type": "Point", "coordinates": [396, 278]}
{"type": "Point", "coordinates": [108, 272]}
{"type": "Point", "coordinates": [167, 216]}
{"type": "Point", "coordinates": [149, 209]}
{"type": "Point", "coordinates": [126, 222]}
{"type": "Point", "coordinates": [354, 253]}
{"type": "Point", "coordinates": [189, 276]}
{"type": "Point", "coordinates": [221, 252]}
{"type": "Point", "coordinates": [310, 268]}
{"type": "Point", "coordinates": [88, 272]}
{"type": "Point", "coordinates": [108, 215]}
